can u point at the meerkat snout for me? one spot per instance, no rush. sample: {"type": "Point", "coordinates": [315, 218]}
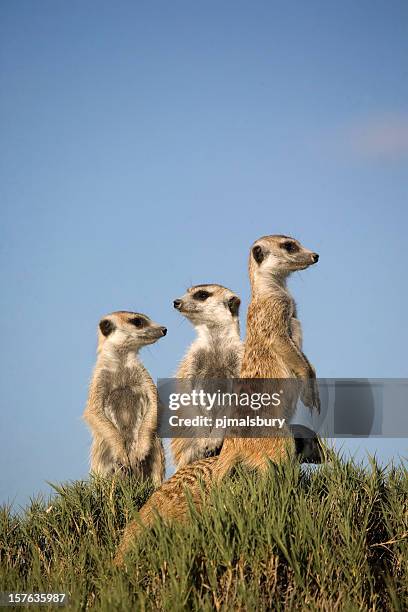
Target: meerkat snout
{"type": "Point", "coordinates": [177, 304]}
{"type": "Point", "coordinates": [164, 331]}
{"type": "Point", "coordinates": [315, 257]}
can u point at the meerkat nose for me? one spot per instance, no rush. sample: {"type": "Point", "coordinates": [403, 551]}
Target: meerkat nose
{"type": "Point", "coordinates": [315, 257]}
{"type": "Point", "coordinates": [164, 330]}
{"type": "Point", "coordinates": [177, 304]}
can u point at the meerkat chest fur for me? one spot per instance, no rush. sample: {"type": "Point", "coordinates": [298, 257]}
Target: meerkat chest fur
{"type": "Point", "coordinates": [214, 356]}
{"type": "Point", "coordinates": [268, 317]}
{"type": "Point", "coordinates": [129, 393]}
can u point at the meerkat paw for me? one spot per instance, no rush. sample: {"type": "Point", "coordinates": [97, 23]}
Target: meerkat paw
{"type": "Point", "coordinates": [316, 395]}
{"type": "Point", "coordinates": [122, 470]}
{"type": "Point", "coordinates": [310, 394]}
{"type": "Point", "coordinates": [122, 460]}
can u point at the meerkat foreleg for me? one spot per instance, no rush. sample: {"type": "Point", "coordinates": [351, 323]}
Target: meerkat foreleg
{"type": "Point", "coordinates": [145, 432]}
{"type": "Point", "coordinates": [296, 332]}
{"type": "Point", "coordinates": [157, 462]}
{"type": "Point", "coordinates": [297, 362]}
{"type": "Point", "coordinates": [297, 337]}
{"type": "Point", "coordinates": [105, 430]}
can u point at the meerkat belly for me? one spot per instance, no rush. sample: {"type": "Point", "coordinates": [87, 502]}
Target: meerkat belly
{"type": "Point", "coordinates": [123, 408]}
{"type": "Point", "coordinates": [289, 392]}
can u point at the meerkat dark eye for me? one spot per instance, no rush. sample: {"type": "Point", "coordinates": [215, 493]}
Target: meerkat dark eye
{"type": "Point", "coordinates": [258, 254]}
{"type": "Point", "coordinates": [138, 322]}
{"type": "Point", "coordinates": [290, 247]}
{"type": "Point", "coordinates": [106, 327]}
{"type": "Point", "coordinates": [201, 295]}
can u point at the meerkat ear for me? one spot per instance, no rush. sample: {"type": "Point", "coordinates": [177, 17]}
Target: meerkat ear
{"type": "Point", "coordinates": [106, 327]}
{"type": "Point", "coordinates": [233, 305]}
{"type": "Point", "coordinates": [258, 254]}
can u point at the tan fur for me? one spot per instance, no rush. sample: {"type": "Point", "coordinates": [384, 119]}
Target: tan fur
{"type": "Point", "coordinates": [169, 502]}
{"type": "Point", "coordinates": [122, 402]}
{"type": "Point", "coordinates": [216, 353]}
{"type": "Point", "coordinates": [272, 351]}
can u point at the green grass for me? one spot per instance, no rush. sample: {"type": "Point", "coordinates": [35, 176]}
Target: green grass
{"type": "Point", "coordinates": [330, 539]}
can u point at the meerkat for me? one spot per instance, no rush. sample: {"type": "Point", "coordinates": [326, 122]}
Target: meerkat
{"type": "Point", "coordinates": [272, 350]}
{"type": "Point", "coordinates": [216, 353]}
{"type": "Point", "coordinates": [122, 403]}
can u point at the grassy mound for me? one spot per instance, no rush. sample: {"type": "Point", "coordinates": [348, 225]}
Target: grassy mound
{"type": "Point", "coordinates": [330, 539]}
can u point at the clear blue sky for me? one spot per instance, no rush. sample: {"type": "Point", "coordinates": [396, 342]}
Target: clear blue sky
{"type": "Point", "coordinates": [145, 145]}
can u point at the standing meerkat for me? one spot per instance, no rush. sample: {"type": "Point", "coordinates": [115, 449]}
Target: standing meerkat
{"type": "Point", "coordinates": [122, 403]}
{"type": "Point", "coordinates": [272, 350]}
{"type": "Point", "coordinates": [272, 346]}
{"type": "Point", "coordinates": [216, 353]}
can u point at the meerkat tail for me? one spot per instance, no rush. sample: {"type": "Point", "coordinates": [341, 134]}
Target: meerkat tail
{"type": "Point", "coordinates": [170, 502]}
{"type": "Point", "coordinates": [133, 531]}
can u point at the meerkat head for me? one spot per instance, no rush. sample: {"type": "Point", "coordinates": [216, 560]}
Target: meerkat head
{"type": "Point", "coordinates": [210, 305]}
{"type": "Point", "coordinates": [275, 257]}
{"type": "Point", "coordinates": [128, 330]}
